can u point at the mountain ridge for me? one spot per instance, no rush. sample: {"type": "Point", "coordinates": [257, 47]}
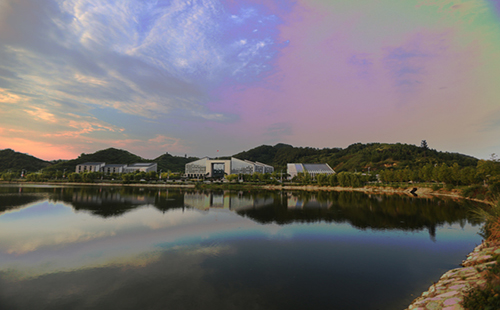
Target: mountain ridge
{"type": "Point", "coordinates": [356, 157]}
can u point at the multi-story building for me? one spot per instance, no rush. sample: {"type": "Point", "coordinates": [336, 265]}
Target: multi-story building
{"type": "Point", "coordinates": [142, 167]}
{"type": "Point", "coordinates": [89, 167]}
{"type": "Point", "coordinates": [218, 168]}
{"type": "Point", "coordinates": [116, 168]}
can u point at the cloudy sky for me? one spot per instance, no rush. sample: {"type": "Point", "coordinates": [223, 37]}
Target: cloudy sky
{"type": "Point", "coordinates": [200, 76]}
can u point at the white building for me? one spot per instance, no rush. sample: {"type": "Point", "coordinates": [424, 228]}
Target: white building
{"type": "Point", "coordinates": [89, 167]}
{"type": "Point", "coordinates": [218, 168]}
{"type": "Point", "coordinates": [142, 167]}
{"type": "Point", "coordinates": [115, 168]}
{"type": "Point", "coordinates": [312, 169]}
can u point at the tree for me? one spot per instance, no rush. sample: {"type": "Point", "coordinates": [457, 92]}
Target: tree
{"type": "Point", "coordinates": [455, 173]}
{"type": "Point", "coordinates": [427, 172]}
{"type": "Point", "coordinates": [74, 177]}
{"type": "Point", "coordinates": [444, 174]}
{"type": "Point", "coordinates": [127, 177]}
{"type": "Point", "coordinates": [231, 177]}
{"type": "Point", "coordinates": [152, 175]}
{"type": "Point", "coordinates": [322, 179]}
{"type": "Point", "coordinates": [7, 176]}
{"type": "Point", "coordinates": [424, 145]}
{"type": "Point", "coordinates": [332, 180]}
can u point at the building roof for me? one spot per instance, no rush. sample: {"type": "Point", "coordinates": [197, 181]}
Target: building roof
{"type": "Point", "coordinates": [266, 165]}
{"type": "Point", "coordinates": [91, 164]}
{"type": "Point", "coordinates": [139, 165]}
{"type": "Point", "coordinates": [298, 167]}
{"type": "Point", "coordinates": [317, 167]}
{"type": "Point", "coordinates": [114, 165]}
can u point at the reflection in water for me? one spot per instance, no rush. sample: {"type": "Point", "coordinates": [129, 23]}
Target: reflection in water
{"type": "Point", "coordinates": [358, 209]}
{"type": "Point", "coordinates": [134, 248]}
{"type": "Point", "coordinates": [235, 201]}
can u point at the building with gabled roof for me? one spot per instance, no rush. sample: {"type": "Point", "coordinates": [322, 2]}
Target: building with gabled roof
{"type": "Point", "coordinates": [312, 169]}
{"type": "Point", "coordinates": [115, 168]}
{"type": "Point", "coordinates": [142, 167]}
{"type": "Point", "coordinates": [89, 167]}
{"type": "Point", "coordinates": [218, 168]}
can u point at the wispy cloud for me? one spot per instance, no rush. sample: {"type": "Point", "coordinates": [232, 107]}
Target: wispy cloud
{"type": "Point", "coordinates": [147, 59]}
{"type": "Point", "coordinates": [41, 114]}
{"type": "Point", "coordinates": [121, 54]}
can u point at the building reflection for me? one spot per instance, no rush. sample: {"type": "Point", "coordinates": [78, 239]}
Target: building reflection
{"type": "Point", "coordinates": [226, 200]}
{"type": "Point", "coordinates": [297, 202]}
{"type": "Point", "coordinates": [104, 197]}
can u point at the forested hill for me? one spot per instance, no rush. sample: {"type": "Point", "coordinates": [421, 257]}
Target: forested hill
{"type": "Point", "coordinates": [109, 156]}
{"type": "Point", "coordinates": [168, 162]}
{"type": "Point", "coordinates": [16, 162]}
{"type": "Point", "coordinates": [356, 157]}
{"type": "Point", "coordinates": [165, 162]}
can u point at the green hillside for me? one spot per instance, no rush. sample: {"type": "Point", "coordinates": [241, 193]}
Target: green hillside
{"type": "Point", "coordinates": [356, 157]}
{"type": "Point", "coordinates": [15, 161]}
{"type": "Point", "coordinates": [165, 162]}
{"type": "Point", "coordinates": [173, 163]}
{"type": "Point", "coordinates": [109, 156]}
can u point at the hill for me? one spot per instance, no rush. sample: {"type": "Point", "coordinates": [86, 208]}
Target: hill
{"type": "Point", "coordinates": [109, 156]}
{"type": "Point", "coordinates": [173, 163]}
{"type": "Point", "coordinates": [115, 156]}
{"type": "Point", "coordinates": [356, 157]}
{"type": "Point", "coordinates": [15, 161]}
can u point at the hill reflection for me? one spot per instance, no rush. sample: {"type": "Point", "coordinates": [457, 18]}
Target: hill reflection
{"type": "Point", "coordinates": [360, 210]}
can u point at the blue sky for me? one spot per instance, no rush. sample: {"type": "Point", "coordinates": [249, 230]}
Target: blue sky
{"type": "Point", "coordinates": [194, 77]}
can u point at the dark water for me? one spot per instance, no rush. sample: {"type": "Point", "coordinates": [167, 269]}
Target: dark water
{"type": "Point", "coordinates": [124, 248]}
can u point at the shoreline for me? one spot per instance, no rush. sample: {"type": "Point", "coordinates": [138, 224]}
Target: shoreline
{"type": "Point", "coordinates": [421, 192]}
{"type": "Point", "coordinates": [449, 291]}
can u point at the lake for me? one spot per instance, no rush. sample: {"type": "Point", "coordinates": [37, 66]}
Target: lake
{"type": "Point", "coordinates": [149, 248]}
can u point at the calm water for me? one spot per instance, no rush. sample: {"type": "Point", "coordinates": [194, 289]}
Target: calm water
{"type": "Point", "coordinates": [121, 248]}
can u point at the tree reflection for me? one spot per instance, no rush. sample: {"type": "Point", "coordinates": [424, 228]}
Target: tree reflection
{"type": "Point", "coordinates": [362, 211]}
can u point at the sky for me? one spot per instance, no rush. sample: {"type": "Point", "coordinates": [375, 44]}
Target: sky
{"type": "Point", "coordinates": [217, 77]}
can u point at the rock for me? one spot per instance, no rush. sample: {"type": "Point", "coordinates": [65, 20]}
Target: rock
{"type": "Point", "coordinates": [451, 301]}
{"type": "Point", "coordinates": [448, 292]}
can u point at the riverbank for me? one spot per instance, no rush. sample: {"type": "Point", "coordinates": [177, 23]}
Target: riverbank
{"type": "Point", "coordinates": [448, 293]}
{"type": "Point", "coordinates": [413, 191]}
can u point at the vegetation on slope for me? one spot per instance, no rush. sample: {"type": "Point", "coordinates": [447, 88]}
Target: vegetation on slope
{"type": "Point", "coordinates": [16, 162]}
{"type": "Point", "coordinates": [109, 156]}
{"type": "Point", "coordinates": [167, 162]}
{"type": "Point", "coordinates": [357, 157]}
{"type": "Point", "coordinates": [487, 296]}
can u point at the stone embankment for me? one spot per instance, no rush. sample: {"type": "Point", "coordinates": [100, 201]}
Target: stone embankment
{"type": "Point", "coordinates": [449, 291]}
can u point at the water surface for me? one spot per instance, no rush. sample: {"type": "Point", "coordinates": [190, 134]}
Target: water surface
{"type": "Point", "coordinates": [140, 248]}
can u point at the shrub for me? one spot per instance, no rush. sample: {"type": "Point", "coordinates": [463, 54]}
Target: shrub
{"type": "Point", "coordinates": [487, 297]}
{"type": "Point", "coordinates": [474, 191]}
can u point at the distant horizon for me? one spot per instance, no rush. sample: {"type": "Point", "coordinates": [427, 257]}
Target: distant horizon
{"type": "Point", "coordinates": [194, 77]}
